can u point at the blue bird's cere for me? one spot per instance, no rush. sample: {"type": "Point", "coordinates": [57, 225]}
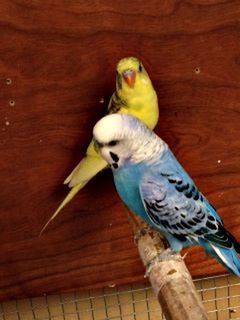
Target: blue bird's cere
{"type": "Point", "coordinates": [153, 185]}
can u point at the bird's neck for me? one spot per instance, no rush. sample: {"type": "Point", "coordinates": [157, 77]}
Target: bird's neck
{"type": "Point", "coordinates": [143, 105]}
{"type": "Point", "coordinates": [140, 90]}
{"type": "Point", "coordinates": [149, 149]}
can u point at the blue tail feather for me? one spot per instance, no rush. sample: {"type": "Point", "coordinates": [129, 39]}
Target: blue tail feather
{"type": "Point", "coordinates": [228, 257]}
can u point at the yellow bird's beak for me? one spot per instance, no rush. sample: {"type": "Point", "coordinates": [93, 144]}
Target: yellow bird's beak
{"type": "Point", "coordinates": [129, 77]}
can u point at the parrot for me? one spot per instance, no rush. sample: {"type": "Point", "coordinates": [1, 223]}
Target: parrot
{"type": "Point", "coordinates": [153, 185]}
{"type": "Point", "coordinates": [134, 95]}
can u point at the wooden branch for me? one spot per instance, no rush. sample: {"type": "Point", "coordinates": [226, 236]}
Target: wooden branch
{"type": "Point", "coordinates": [169, 277]}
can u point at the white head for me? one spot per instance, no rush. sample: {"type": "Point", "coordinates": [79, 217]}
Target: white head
{"type": "Point", "coordinates": [121, 137]}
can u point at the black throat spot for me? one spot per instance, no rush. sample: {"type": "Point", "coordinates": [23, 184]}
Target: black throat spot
{"type": "Point", "coordinates": [115, 165]}
{"type": "Point", "coordinates": [114, 156]}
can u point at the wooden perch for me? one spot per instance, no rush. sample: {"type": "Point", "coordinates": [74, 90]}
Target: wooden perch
{"type": "Point", "coordinates": [169, 277]}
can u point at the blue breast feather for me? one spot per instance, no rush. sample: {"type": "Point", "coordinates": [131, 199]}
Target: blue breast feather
{"type": "Point", "coordinates": [127, 180]}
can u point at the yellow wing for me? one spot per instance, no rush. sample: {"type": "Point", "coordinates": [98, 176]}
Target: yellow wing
{"type": "Point", "coordinates": [87, 168]}
{"type": "Point", "coordinates": [134, 95]}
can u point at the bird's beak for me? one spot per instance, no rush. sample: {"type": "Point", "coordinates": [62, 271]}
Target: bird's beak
{"type": "Point", "coordinates": [129, 77]}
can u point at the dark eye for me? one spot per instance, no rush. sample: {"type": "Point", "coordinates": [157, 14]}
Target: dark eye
{"type": "Point", "coordinates": [113, 143]}
{"type": "Point", "coordinates": [140, 68]}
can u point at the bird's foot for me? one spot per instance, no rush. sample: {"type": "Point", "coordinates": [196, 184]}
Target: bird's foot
{"type": "Point", "coordinates": [167, 254]}
{"type": "Point", "coordinates": [141, 232]}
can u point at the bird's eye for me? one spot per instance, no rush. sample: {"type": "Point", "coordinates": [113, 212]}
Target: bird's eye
{"type": "Point", "coordinates": [113, 143]}
{"type": "Point", "coordinates": [140, 68]}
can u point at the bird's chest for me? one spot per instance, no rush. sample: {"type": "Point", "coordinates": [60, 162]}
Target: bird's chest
{"type": "Point", "coordinates": [127, 180]}
{"type": "Point", "coordinates": [145, 109]}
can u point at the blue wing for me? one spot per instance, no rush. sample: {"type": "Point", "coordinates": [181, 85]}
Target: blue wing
{"type": "Point", "coordinates": [176, 207]}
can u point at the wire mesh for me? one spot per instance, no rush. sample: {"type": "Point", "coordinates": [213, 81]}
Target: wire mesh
{"type": "Point", "coordinates": [220, 295]}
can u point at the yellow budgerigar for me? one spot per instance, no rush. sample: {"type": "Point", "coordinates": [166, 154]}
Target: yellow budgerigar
{"type": "Point", "coordinates": [134, 95]}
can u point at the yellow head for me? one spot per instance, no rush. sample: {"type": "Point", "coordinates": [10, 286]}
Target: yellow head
{"type": "Point", "coordinates": [131, 74]}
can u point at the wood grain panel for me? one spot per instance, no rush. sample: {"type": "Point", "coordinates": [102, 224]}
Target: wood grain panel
{"type": "Point", "coordinates": [60, 58]}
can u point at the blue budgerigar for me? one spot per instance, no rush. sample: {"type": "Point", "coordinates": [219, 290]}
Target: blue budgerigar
{"type": "Point", "coordinates": [153, 185]}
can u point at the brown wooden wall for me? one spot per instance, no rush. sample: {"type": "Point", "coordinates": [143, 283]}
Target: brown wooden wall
{"type": "Point", "coordinates": [57, 61]}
